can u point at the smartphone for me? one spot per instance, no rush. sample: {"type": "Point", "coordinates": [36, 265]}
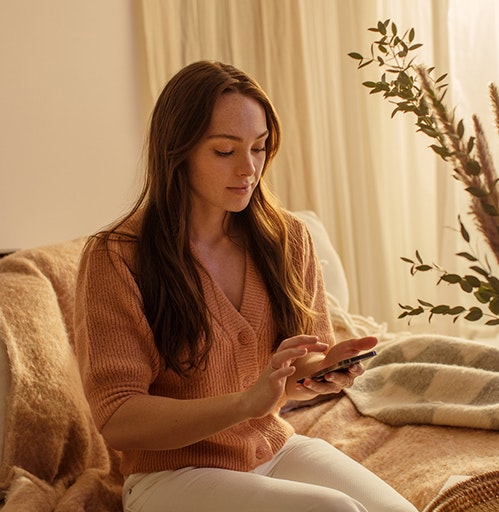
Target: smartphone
{"type": "Point", "coordinates": [341, 365]}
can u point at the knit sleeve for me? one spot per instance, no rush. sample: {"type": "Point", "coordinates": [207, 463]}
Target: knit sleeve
{"type": "Point", "coordinates": [114, 343]}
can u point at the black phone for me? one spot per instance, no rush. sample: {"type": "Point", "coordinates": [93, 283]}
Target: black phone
{"type": "Point", "coordinates": [341, 365]}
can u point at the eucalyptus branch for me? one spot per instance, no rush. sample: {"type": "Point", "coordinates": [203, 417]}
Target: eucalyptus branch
{"type": "Point", "coordinates": [411, 88]}
{"type": "Point", "coordinates": [481, 283]}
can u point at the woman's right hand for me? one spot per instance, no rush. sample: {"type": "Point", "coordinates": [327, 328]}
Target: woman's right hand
{"type": "Point", "coordinates": [264, 396]}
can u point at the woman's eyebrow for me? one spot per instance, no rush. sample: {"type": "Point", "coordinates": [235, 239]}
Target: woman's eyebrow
{"type": "Point", "coordinates": [235, 137]}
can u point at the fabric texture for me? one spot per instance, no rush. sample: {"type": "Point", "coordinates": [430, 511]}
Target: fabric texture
{"type": "Point", "coordinates": [108, 305]}
{"type": "Point", "coordinates": [306, 475]}
{"type": "Point", "coordinates": [431, 379]}
{"type": "Point", "coordinates": [53, 457]}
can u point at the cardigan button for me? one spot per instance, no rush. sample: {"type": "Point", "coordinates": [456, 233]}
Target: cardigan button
{"type": "Point", "coordinates": [243, 338]}
{"type": "Point", "coordinates": [260, 452]}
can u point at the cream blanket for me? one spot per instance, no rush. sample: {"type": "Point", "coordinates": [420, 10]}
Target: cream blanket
{"type": "Point", "coordinates": [54, 459]}
{"type": "Point", "coordinates": [431, 379]}
{"type": "Point", "coordinates": [424, 379]}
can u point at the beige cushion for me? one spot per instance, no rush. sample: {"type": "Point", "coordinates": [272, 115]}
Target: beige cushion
{"type": "Point", "coordinates": [332, 268]}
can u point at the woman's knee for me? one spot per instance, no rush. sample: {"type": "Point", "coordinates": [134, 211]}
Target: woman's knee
{"type": "Point", "coordinates": [334, 501]}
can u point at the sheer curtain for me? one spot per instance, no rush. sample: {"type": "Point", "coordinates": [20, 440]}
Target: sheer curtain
{"type": "Point", "coordinates": [379, 191]}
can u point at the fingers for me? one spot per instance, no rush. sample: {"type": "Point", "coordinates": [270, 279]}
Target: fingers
{"type": "Point", "coordinates": [295, 348]}
{"type": "Point", "coordinates": [287, 356]}
{"type": "Point", "coordinates": [303, 340]}
{"type": "Point", "coordinates": [349, 348]}
{"type": "Point", "coordinates": [335, 382]}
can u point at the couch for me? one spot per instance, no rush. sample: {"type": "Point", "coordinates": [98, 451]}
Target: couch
{"type": "Point", "coordinates": [424, 416]}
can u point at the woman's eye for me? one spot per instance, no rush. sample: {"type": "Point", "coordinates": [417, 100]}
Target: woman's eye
{"type": "Point", "coordinates": [223, 153]}
{"type": "Point", "coordinates": [259, 150]}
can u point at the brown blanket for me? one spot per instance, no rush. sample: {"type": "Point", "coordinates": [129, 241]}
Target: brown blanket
{"type": "Point", "coordinates": [54, 458]}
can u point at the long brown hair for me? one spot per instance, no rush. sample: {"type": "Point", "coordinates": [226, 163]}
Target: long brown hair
{"type": "Point", "coordinates": [167, 272]}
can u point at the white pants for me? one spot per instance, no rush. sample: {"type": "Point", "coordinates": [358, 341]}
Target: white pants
{"type": "Point", "coordinates": [306, 475]}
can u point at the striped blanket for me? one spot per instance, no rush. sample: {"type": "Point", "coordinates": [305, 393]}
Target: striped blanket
{"type": "Point", "coordinates": [423, 379]}
{"type": "Point", "coordinates": [431, 379]}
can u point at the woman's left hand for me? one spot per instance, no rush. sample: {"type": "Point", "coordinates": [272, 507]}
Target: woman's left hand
{"type": "Point", "coordinates": [336, 381]}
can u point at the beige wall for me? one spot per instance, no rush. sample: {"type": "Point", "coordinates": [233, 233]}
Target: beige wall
{"type": "Point", "coordinates": [71, 122]}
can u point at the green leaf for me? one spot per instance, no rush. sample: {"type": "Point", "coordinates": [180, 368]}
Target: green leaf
{"type": "Point", "coordinates": [466, 286]}
{"type": "Point", "coordinates": [494, 306]}
{"type": "Point", "coordinates": [494, 283]}
{"type": "Point", "coordinates": [356, 56]}
{"type": "Point", "coordinates": [407, 260]}
{"type": "Point", "coordinates": [464, 233]}
{"type": "Point", "coordinates": [423, 268]}
{"type": "Point", "coordinates": [480, 271]}
{"type": "Point", "coordinates": [460, 128]}
{"type": "Point", "coordinates": [467, 255]}
{"type": "Point", "coordinates": [418, 256]}
{"type": "Point", "coordinates": [412, 34]}
{"type": "Point", "coordinates": [428, 130]}
{"type": "Point", "coordinates": [477, 192]}
{"type": "Point", "coordinates": [416, 311]}
{"type": "Point", "coordinates": [364, 64]}
{"type": "Point", "coordinates": [492, 322]}
{"type": "Point", "coordinates": [472, 167]}
{"type": "Point", "coordinates": [473, 281]}
{"type": "Point", "coordinates": [474, 314]}
{"type": "Point", "coordinates": [425, 304]}
{"type": "Point", "coordinates": [457, 310]}
{"type": "Point", "coordinates": [451, 278]}
{"type": "Point", "coordinates": [471, 144]}
{"type": "Point", "coordinates": [405, 306]}
{"type": "Point", "coordinates": [482, 296]}
{"type": "Point", "coordinates": [440, 150]}
{"type": "Point", "coordinates": [440, 310]}
{"type": "Point", "coordinates": [381, 28]}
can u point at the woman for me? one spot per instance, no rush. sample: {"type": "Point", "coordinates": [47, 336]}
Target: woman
{"type": "Point", "coordinates": [197, 314]}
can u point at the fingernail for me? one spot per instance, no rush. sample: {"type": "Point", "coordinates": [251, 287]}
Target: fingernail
{"type": "Point", "coordinates": [355, 368]}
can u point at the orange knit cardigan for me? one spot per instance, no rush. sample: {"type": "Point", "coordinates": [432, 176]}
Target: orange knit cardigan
{"type": "Point", "coordinates": [118, 357]}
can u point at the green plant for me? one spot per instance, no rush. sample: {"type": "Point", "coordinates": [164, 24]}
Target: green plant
{"type": "Point", "coordinates": [412, 89]}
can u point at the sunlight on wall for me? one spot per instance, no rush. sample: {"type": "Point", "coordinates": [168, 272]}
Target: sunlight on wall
{"type": "Point", "coordinates": [71, 123]}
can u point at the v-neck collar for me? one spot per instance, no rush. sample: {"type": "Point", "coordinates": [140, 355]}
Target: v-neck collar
{"type": "Point", "coordinates": [254, 298]}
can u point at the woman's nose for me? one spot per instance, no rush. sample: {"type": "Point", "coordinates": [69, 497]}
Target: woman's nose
{"type": "Point", "coordinates": [246, 166]}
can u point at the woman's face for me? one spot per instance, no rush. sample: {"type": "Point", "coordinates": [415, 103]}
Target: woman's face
{"type": "Point", "coordinates": [226, 164]}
